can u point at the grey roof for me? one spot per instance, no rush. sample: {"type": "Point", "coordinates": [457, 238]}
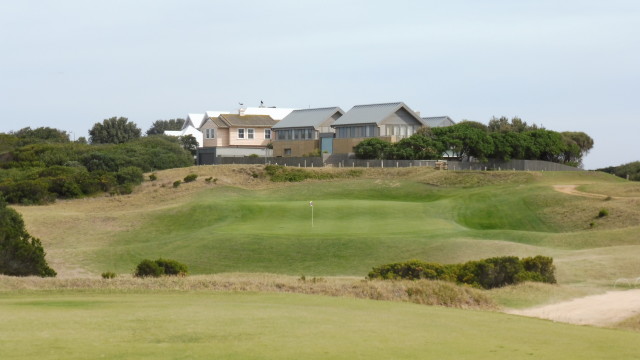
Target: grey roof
{"type": "Point", "coordinates": [228, 120]}
{"type": "Point", "coordinates": [373, 113]}
{"type": "Point", "coordinates": [438, 121]}
{"type": "Point", "coordinates": [308, 117]}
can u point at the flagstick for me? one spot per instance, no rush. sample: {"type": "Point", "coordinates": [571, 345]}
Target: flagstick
{"type": "Point", "coordinates": [311, 216]}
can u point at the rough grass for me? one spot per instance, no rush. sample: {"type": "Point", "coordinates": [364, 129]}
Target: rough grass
{"type": "Point", "coordinates": [420, 292]}
{"type": "Point", "coordinates": [73, 324]}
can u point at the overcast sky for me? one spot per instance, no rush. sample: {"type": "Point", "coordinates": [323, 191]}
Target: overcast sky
{"type": "Point", "coordinates": [567, 65]}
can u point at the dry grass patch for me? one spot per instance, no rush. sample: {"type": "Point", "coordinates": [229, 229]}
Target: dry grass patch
{"type": "Point", "coordinates": [477, 178]}
{"type": "Point", "coordinates": [420, 292]}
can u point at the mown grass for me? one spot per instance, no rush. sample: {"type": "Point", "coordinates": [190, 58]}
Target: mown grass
{"type": "Point", "coordinates": [203, 325]}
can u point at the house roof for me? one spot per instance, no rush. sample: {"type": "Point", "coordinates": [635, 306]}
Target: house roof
{"type": "Point", "coordinates": [373, 113]}
{"type": "Point", "coordinates": [211, 114]}
{"type": "Point", "coordinates": [274, 112]}
{"type": "Point", "coordinates": [193, 120]}
{"type": "Point", "coordinates": [438, 121]}
{"type": "Point", "coordinates": [308, 117]}
{"type": "Point", "coordinates": [236, 120]}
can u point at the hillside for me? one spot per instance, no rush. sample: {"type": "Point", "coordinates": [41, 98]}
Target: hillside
{"type": "Point", "coordinates": [246, 223]}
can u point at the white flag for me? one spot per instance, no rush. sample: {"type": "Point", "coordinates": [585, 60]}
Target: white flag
{"type": "Point", "coordinates": [311, 203]}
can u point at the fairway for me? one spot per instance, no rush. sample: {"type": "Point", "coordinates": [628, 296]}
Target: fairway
{"type": "Point", "coordinates": [205, 325]}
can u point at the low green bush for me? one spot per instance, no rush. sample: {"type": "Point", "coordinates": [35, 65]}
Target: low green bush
{"type": "Point", "coordinates": [190, 178]}
{"type": "Point", "coordinates": [487, 273]}
{"type": "Point", "coordinates": [177, 183]}
{"type": "Point", "coordinates": [108, 275]}
{"type": "Point", "coordinates": [153, 177]}
{"type": "Point", "coordinates": [160, 267]}
{"type": "Point", "coordinates": [148, 268]}
{"type": "Point", "coordinates": [603, 212]}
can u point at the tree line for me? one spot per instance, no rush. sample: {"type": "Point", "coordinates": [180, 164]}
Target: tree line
{"type": "Point", "coordinates": [42, 164]}
{"type": "Point", "coordinates": [502, 139]}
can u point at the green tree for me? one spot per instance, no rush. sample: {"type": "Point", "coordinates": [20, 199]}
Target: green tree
{"type": "Point", "coordinates": [189, 143]}
{"type": "Point", "coordinates": [115, 130]}
{"type": "Point", "coordinates": [160, 126]}
{"type": "Point", "coordinates": [416, 147]}
{"type": "Point", "coordinates": [466, 139]}
{"type": "Point", "coordinates": [545, 145]}
{"type": "Point", "coordinates": [20, 253]}
{"type": "Point", "coordinates": [372, 148]}
{"type": "Point", "coordinates": [41, 135]}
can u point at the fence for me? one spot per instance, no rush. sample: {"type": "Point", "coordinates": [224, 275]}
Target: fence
{"type": "Point", "coordinates": [343, 161]}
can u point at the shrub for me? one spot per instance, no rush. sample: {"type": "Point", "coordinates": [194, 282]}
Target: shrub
{"type": "Point", "coordinates": [148, 268]}
{"type": "Point", "coordinates": [108, 275]}
{"type": "Point", "coordinates": [177, 183]}
{"type": "Point", "coordinates": [160, 267]}
{"type": "Point", "coordinates": [20, 253]}
{"type": "Point", "coordinates": [487, 273]}
{"type": "Point", "coordinates": [190, 178]}
{"type": "Point", "coordinates": [153, 177]}
{"type": "Point", "coordinates": [172, 267]}
{"type": "Point", "coordinates": [603, 212]}
{"type": "Point", "coordinates": [129, 175]}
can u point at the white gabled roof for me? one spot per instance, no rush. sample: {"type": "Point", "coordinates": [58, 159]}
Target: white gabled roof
{"type": "Point", "coordinates": [193, 120]}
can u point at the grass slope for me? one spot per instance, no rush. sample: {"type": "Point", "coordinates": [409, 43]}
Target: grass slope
{"type": "Point", "coordinates": [387, 215]}
{"type": "Point", "coordinates": [204, 325]}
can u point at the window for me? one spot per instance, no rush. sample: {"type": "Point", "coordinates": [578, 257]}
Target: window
{"type": "Point", "coordinates": [240, 133]}
{"type": "Point", "coordinates": [250, 133]}
{"type": "Point", "coordinates": [209, 133]}
{"type": "Point", "coordinates": [287, 152]}
{"type": "Point", "coordinates": [267, 133]}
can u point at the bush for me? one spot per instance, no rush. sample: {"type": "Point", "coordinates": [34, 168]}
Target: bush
{"type": "Point", "coordinates": [487, 273]}
{"type": "Point", "coordinates": [108, 275]}
{"type": "Point", "coordinates": [129, 175]}
{"type": "Point", "coordinates": [191, 177]}
{"type": "Point", "coordinates": [148, 268]}
{"type": "Point", "coordinates": [603, 212]}
{"type": "Point", "coordinates": [20, 253]}
{"type": "Point", "coordinates": [153, 177]}
{"type": "Point", "coordinates": [160, 267]}
{"type": "Point", "coordinates": [177, 183]}
{"type": "Point", "coordinates": [172, 267]}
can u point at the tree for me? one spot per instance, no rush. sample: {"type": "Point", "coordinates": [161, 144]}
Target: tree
{"type": "Point", "coordinates": [372, 148]}
{"type": "Point", "coordinates": [41, 135]}
{"type": "Point", "coordinates": [466, 139]}
{"type": "Point", "coordinates": [189, 143]}
{"type": "Point", "coordinates": [115, 130]}
{"type": "Point", "coordinates": [160, 126]}
{"type": "Point", "coordinates": [417, 147]}
{"type": "Point", "coordinates": [20, 253]}
{"type": "Point", "coordinates": [545, 145]}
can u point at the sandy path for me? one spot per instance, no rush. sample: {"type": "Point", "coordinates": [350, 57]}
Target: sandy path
{"type": "Point", "coordinates": [571, 190]}
{"type": "Point", "coordinates": [599, 310]}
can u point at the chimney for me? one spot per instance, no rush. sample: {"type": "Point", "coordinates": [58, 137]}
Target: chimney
{"type": "Point", "coordinates": [241, 111]}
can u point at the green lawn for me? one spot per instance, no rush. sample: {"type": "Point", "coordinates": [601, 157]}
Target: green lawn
{"type": "Point", "coordinates": [205, 325]}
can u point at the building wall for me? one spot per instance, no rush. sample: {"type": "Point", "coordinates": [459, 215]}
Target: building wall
{"type": "Point", "coordinates": [258, 137]}
{"type": "Point", "coordinates": [298, 147]}
{"type": "Point", "coordinates": [221, 135]}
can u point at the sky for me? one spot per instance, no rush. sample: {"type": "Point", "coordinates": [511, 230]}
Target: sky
{"type": "Point", "coordinates": [566, 65]}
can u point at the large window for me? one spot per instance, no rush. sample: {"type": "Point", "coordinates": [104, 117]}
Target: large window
{"type": "Point", "coordinates": [362, 131]}
{"type": "Point", "coordinates": [296, 134]}
{"type": "Point", "coordinates": [267, 133]}
{"type": "Point", "coordinates": [209, 133]}
{"type": "Point", "coordinates": [250, 133]}
{"type": "Point", "coordinates": [240, 133]}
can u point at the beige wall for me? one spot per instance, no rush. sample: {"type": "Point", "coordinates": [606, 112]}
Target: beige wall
{"type": "Point", "coordinates": [298, 147]}
{"type": "Point", "coordinates": [258, 138]}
